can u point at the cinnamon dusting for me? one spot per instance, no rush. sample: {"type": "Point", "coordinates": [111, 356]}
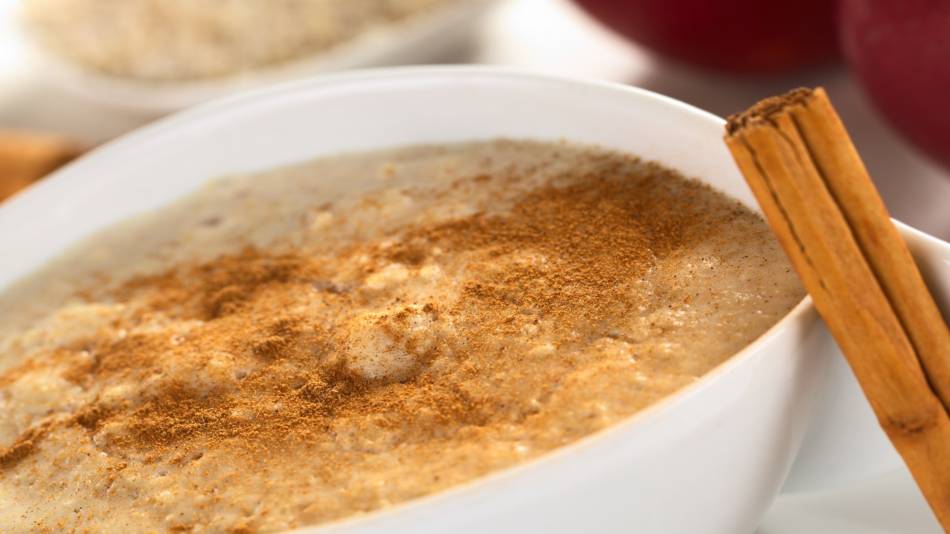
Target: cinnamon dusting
{"type": "Point", "coordinates": [487, 330]}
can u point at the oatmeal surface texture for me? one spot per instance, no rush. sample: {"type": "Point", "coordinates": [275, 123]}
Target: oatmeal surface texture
{"type": "Point", "coordinates": [308, 343]}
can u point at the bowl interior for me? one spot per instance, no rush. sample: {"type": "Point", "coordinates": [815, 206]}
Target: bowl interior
{"type": "Point", "coordinates": [350, 112]}
{"type": "Point", "coordinates": [373, 109]}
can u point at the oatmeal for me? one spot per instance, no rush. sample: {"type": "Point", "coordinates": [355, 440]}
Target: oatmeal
{"type": "Point", "coordinates": [329, 339]}
{"type": "Point", "coordinates": [167, 40]}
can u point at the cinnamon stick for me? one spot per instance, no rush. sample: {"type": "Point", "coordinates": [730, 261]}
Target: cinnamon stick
{"type": "Point", "coordinates": [27, 157]}
{"type": "Point", "coordinates": [827, 215]}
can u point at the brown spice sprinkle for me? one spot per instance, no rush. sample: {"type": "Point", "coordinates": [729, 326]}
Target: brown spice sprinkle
{"type": "Point", "coordinates": [281, 356]}
{"type": "Point", "coordinates": [598, 236]}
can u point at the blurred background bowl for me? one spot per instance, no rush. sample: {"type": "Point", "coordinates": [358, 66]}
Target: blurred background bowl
{"type": "Point", "coordinates": [440, 33]}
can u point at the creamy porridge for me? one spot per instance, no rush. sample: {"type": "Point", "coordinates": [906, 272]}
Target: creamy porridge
{"type": "Point", "coordinates": [169, 40]}
{"type": "Point", "coordinates": [328, 339]}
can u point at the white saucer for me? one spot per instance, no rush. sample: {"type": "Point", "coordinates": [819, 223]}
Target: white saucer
{"type": "Point", "coordinates": [889, 504]}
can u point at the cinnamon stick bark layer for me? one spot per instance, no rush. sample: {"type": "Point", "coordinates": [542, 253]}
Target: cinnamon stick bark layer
{"type": "Point", "coordinates": [824, 209]}
{"type": "Point", "coordinates": [27, 157]}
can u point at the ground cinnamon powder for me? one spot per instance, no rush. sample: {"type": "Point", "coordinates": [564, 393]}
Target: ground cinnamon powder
{"type": "Point", "coordinates": [441, 333]}
{"type": "Point", "coordinates": [596, 236]}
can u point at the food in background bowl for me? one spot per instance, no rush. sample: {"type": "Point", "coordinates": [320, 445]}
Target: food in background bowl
{"type": "Point", "coordinates": [177, 40]}
{"type": "Point", "coordinates": [343, 36]}
{"type": "Point", "coordinates": [316, 341]}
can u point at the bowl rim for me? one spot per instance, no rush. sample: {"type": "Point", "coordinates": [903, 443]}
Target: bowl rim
{"type": "Point", "coordinates": [61, 180]}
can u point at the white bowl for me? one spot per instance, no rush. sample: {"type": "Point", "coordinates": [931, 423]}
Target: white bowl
{"type": "Point", "coordinates": [432, 36]}
{"type": "Point", "coordinates": [708, 459]}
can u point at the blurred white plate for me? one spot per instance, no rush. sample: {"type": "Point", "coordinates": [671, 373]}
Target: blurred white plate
{"type": "Point", "coordinates": [889, 504]}
{"type": "Point", "coordinates": [423, 38]}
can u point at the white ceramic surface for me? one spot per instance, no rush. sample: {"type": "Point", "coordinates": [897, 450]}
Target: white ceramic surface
{"type": "Point", "coordinates": [888, 504]}
{"type": "Point", "coordinates": [427, 37]}
{"type": "Point", "coordinates": [709, 459]}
